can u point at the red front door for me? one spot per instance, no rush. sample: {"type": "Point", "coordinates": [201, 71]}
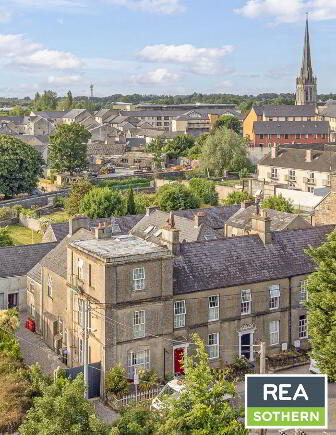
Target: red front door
{"type": "Point", "coordinates": [179, 361]}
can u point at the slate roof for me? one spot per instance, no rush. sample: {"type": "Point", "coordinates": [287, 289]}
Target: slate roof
{"type": "Point", "coordinates": [35, 273]}
{"type": "Point", "coordinates": [329, 111]}
{"type": "Point", "coordinates": [136, 142]}
{"type": "Point", "coordinates": [52, 115]}
{"type": "Point", "coordinates": [285, 110]}
{"type": "Point", "coordinates": [291, 127]}
{"type": "Point", "coordinates": [14, 119]}
{"type": "Point", "coordinates": [296, 159]}
{"type": "Point", "coordinates": [215, 216]}
{"type": "Point", "coordinates": [72, 114]}
{"type": "Point", "coordinates": [280, 220]}
{"type": "Point", "coordinates": [240, 261]}
{"type": "Point", "coordinates": [56, 260]}
{"type": "Point", "coordinates": [158, 220]}
{"type": "Point", "coordinates": [18, 260]}
{"type": "Point", "coordinates": [126, 223]}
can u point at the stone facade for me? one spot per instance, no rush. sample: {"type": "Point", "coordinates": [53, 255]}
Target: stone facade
{"type": "Point", "coordinates": [325, 211]}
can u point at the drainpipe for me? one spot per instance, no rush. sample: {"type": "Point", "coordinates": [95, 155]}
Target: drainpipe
{"type": "Point", "coordinates": [290, 312]}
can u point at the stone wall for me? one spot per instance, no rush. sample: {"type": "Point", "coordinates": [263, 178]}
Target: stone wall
{"type": "Point", "coordinates": [6, 222]}
{"type": "Point", "coordinates": [30, 222]}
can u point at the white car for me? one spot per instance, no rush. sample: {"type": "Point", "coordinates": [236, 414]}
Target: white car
{"type": "Point", "coordinates": [313, 367]}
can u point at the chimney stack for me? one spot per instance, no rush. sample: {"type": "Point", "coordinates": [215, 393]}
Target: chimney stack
{"type": "Point", "coordinates": [274, 152]}
{"type": "Point", "coordinates": [171, 238]}
{"type": "Point", "coordinates": [308, 156]}
{"type": "Point", "coordinates": [245, 204]}
{"type": "Point", "coordinates": [199, 219]}
{"type": "Point", "coordinates": [76, 223]}
{"type": "Point", "coordinates": [261, 224]}
{"type": "Point", "coordinates": [150, 210]}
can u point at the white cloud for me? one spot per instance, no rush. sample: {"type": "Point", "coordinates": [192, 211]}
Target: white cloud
{"type": "Point", "coordinates": [44, 4]}
{"type": "Point", "coordinates": [289, 11]}
{"type": "Point", "coordinates": [63, 80]}
{"type": "Point", "coordinates": [102, 63]}
{"type": "Point", "coordinates": [23, 52]}
{"type": "Point", "coordinates": [165, 7]}
{"type": "Point", "coordinates": [160, 76]}
{"type": "Point", "coordinates": [196, 60]}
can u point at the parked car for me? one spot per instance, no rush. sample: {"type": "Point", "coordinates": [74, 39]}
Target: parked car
{"type": "Point", "coordinates": [313, 367]}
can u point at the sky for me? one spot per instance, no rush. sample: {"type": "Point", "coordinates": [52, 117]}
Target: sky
{"type": "Point", "coordinates": [162, 46]}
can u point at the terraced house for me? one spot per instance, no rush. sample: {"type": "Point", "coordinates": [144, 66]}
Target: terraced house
{"type": "Point", "coordinates": [146, 297]}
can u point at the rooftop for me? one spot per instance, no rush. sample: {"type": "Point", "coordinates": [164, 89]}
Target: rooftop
{"type": "Point", "coordinates": [119, 249]}
{"type": "Point", "coordinates": [321, 161]}
{"type": "Point", "coordinates": [291, 127]}
{"type": "Point", "coordinates": [240, 261]}
{"type": "Point", "coordinates": [285, 110]}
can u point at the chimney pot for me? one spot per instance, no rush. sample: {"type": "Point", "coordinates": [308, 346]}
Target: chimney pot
{"type": "Point", "coordinates": [308, 156]}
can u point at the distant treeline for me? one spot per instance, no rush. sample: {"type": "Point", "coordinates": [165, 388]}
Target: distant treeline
{"type": "Point", "coordinates": [51, 101]}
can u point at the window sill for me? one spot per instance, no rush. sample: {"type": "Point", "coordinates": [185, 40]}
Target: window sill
{"type": "Point", "coordinates": [274, 309]}
{"type": "Point", "coordinates": [245, 314]}
{"type": "Point", "coordinates": [213, 320]}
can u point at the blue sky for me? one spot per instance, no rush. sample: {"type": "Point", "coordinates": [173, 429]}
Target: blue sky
{"type": "Point", "coordinates": [162, 46]}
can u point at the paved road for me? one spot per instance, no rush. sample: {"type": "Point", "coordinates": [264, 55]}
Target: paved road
{"type": "Point", "coordinates": [331, 404]}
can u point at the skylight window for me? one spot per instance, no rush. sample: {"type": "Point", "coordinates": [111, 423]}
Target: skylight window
{"type": "Point", "coordinates": [157, 233]}
{"type": "Point", "coordinates": [149, 229]}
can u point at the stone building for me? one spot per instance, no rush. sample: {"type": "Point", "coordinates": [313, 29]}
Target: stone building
{"type": "Point", "coordinates": [325, 211]}
{"type": "Point", "coordinates": [146, 299]}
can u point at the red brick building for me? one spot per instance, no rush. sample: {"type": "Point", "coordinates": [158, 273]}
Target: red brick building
{"type": "Point", "coordinates": [268, 133]}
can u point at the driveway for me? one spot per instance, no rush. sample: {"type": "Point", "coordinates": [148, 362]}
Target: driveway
{"type": "Point", "coordinates": [34, 350]}
{"type": "Point", "coordinates": [331, 404]}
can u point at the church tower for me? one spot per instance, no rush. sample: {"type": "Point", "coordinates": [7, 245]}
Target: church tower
{"type": "Point", "coordinates": [306, 89]}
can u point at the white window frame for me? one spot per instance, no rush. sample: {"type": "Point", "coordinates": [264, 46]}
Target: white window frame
{"type": "Point", "coordinates": [303, 326]}
{"type": "Point", "coordinates": [303, 291]}
{"type": "Point", "coordinates": [274, 173]}
{"type": "Point", "coordinates": [80, 270]}
{"type": "Point", "coordinates": [213, 345]}
{"type": "Point", "coordinates": [274, 330]}
{"type": "Point", "coordinates": [50, 283]}
{"type": "Point", "coordinates": [139, 324]}
{"type": "Point", "coordinates": [245, 301]}
{"type": "Point", "coordinates": [291, 175]}
{"type": "Point", "coordinates": [138, 278]}
{"type": "Point", "coordinates": [179, 314]}
{"type": "Point", "coordinates": [137, 360]}
{"type": "Point", "coordinates": [274, 297]}
{"type": "Point", "coordinates": [213, 305]}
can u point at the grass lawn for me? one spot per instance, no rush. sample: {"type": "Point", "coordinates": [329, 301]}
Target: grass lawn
{"type": "Point", "coordinates": [23, 236]}
{"type": "Point", "coordinates": [57, 217]}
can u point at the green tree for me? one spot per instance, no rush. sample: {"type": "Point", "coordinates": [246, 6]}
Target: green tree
{"type": "Point", "coordinates": [156, 145]}
{"type": "Point", "coordinates": [68, 148]}
{"type": "Point", "coordinates": [228, 121]}
{"type": "Point", "coordinates": [144, 200]}
{"type": "Point", "coordinates": [116, 381]}
{"type": "Point", "coordinates": [176, 197]}
{"type": "Point", "coordinates": [278, 203]}
{"type": "Point", "coordinates": [137, 420]}
{"type": "Point", "coordinates": [78, 190]}
{"type": "Point", "coordinates": [131, 207]}
{"type": "Point", "coordinates": [70, 99]}
{"type": "Point", "coordinates": [224, 150]}
{"type": "Point", "coordinates": [179, 146]}
{"type": "Point", "coordinates": [20, 166]}
{"type": "Point", "coordinates": [322, 306]}
{"type": "Point", "coordinates": [205, 190]}
{"type": "Point", "coordinates": [5, 238]}
{"type": "Point", "coordinates": [203, 407]}
{"type": "Point", "coordinates": [237, 198]}
{"type": "Point", "coordinates": [63, 409]}
{"type": "Point", "coordinates": [46, 101]}
{"type": "Point", "coordinates": [102, 202]}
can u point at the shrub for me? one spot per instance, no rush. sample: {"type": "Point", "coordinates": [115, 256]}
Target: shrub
{"type": "Point", "coordinates": [238, 197]}
{"type": "Point", "coordinates": [177, 197]}
{"type": "Point", "coordinates": [102, 202]}
{"type": "Point", "coordinates": [5, 238]}
{"type": "Point", "coordinates": [6, 213]}
{"type": "Point", "coordinates": [205, 190]}
{"type": "Point", "coordinates": [116, 381]}
{"type": "Point", "coordinates": [148, 379]}
{"type": "Point", "coordinates": [144, 200]}
{"type": "Point", "coordinates": [58, 201]}
{"type": "Point", "coordinates": [279, 203]}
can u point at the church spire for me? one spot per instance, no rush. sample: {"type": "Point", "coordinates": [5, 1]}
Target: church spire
{"type": "Point", "coordinates": [306, 89]}
{"type": "Point", "coordinates": [306, 70]}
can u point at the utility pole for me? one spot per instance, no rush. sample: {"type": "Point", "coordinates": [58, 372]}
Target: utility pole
{"type": "Point", "coordinates": [86, 349]}
{"type": "Point", "coordinates": [262, 371]}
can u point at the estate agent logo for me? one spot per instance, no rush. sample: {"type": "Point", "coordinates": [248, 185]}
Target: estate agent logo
{"type": "Point", "coordinates": [282, 401]}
